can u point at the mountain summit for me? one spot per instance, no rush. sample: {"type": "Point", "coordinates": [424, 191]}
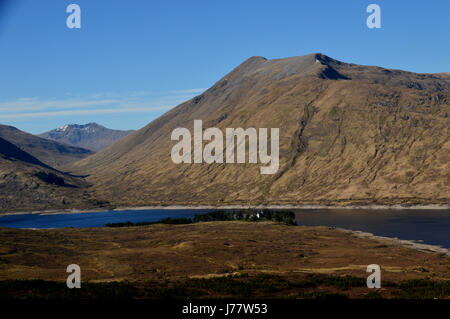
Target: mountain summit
{"type": "Point", "coordinates": [348, 134]}
{"type": "Point", "coordinates": [91, 136]}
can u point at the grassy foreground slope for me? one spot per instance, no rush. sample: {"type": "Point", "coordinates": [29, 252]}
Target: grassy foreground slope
{"type": "Point", "coordinates": [216, 259]}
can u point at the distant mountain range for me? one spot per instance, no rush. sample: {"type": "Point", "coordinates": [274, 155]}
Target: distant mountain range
{"type": "Point", "coordinates": [32, 169]}
{"type": "Point", "coordinates": [348, 134]}
{"type": "Point", "coordinates": [91, 136]}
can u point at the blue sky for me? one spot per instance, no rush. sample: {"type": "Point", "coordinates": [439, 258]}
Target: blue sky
{"type": "Point", "coordinates": [133, 60]}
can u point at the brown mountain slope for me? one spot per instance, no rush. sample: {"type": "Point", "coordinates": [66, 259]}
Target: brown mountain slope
{"type": "Point", "coordinates": [26, 183]}
{"type": "Point", "coordinates": [52, 153]}
{"type": "Point", "coordinates": [11, 152]}
{"type": "Point", "coordinates": [348, 133]}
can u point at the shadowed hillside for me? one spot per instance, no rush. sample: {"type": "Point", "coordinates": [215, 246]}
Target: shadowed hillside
{"type": "Point", "coordinates": [51, 153]}
{"type": "Point", "coordinates": [28, 184]}
{"type": "Point", "coordinates": [11, 152]}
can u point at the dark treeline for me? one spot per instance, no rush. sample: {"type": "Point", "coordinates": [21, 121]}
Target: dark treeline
{"type": "Point", "coordinates": [250, 215]}
{"type": "Point", "coordinates": [232, 286]}
{"type": "Point", "coordinates": [174, 221]}
{"type": "Point", "coordinates": [281, 216]}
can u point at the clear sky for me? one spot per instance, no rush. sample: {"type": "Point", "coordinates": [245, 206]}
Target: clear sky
{"type": "Point", "coordinates": [133, 60]}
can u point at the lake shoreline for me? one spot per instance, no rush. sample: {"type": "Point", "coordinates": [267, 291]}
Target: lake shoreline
{"type": "Point", "coordinates": [412, 244]}
{"type": "Point", "coordinates": [417, 243]}
{"type": "Point", "coordinates": [181, 207]}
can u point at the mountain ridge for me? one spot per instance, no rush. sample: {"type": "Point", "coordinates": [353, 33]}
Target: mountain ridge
{"type": "Point", "coordinates": [11, 152]}
{"type": "Point", "coordinates": [92, 136]}
{"type": "Point", "coordinates": [365, 134]}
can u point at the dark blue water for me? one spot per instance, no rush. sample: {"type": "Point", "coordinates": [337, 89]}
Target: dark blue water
{"type": "Point", "coordinates": [430, 226]}
{"type": "Point", "coordinates": [96, 219]}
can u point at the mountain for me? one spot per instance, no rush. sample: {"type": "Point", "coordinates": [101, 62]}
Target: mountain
{"type": "Point", "coordinates": [27, 183]}
{"type": "Point", "coordinates": [91, 136]}
{"type": "Point", "coordinates": [51, 153]}
{"type": "Point", "coordinates": [348, 134]}
{"type": "Point", "coordinates": [11, 152]}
